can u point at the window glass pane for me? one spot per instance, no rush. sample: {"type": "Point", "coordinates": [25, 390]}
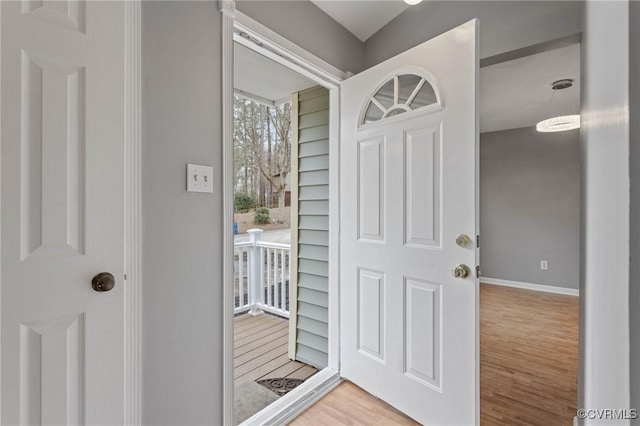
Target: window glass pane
{"type": "Point", "coordinates": [407, 84]}
{"type": "Point", "coordinates": [426, 96]}
{"type": "Point", "coordinates": [385, 94]}
{"type": "Point", "coordinates": [395, 112]}
{"type": "Point", "coordinates": [373, 114]}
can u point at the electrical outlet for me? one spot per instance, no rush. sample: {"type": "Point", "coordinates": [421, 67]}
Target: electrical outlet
{"type": "Point", "coordinates": [199, 178]}
{"type": "Point", "coordinates": [544, 265]}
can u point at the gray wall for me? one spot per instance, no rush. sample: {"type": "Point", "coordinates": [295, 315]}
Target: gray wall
{"type": "Point", "coordinates": [504, 25]}
{"type": "Point", "coordinates": [313, 227]}
{"type": "Point", "coordinates": [182, 256]}
{"type": "Point", "coordinates": [530, 206]}
{"type": "Point", "coordinates": [310, 28]}
{"type": "Point", "coordinates": [634, 98]}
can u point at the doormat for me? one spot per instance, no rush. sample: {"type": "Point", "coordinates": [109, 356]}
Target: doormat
{"type": "Point", "coordinates": [281, 386]}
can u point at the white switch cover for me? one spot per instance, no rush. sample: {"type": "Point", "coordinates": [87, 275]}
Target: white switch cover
{"type": "Point", "coordinates": [199, 178]}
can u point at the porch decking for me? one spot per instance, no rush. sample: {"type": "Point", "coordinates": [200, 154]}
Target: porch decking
{"type": "Point", "coordinates": [261, 350]}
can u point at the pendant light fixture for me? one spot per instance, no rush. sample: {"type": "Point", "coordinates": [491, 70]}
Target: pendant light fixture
{"type": "Point", "coordinates": [563, 122]}
{"type": "Point", "coordinates": [412, 2]}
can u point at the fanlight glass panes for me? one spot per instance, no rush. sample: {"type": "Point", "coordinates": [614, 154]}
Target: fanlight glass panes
{"type": "Point", "coordinates": [373, 113]}
{"type": "Point", "coordinates": [385, 94]}
{"type": "Point", "coordinates": [406, 85]}
{"type": "Point", "coordinates": [402, 93]}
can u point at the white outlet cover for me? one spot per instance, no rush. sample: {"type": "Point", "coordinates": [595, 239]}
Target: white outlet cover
{"type": "Point", "coordinates": [199, 178]}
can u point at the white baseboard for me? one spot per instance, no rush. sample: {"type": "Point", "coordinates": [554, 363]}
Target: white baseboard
{"type": "Point", "coordinates": [531, 286]}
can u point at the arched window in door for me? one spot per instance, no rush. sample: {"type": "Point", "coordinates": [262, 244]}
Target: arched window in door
{"type": "Point", "coordinates": [402, 93]}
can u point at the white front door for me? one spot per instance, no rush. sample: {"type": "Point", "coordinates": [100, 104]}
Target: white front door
{"type": "Point", "coordinates": [408, 158]}
{"type": "Point", "coordinates": [62, 163]}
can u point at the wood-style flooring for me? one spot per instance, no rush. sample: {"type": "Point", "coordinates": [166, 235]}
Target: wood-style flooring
{"type": "Point", "coordinates": [349, 405]}
{"type": "Point", "coordinates": [528, 357]}
{"type": "Point", "coordinates": [528, 367]}
{"type": "Point", "coordinates": [260, 350]}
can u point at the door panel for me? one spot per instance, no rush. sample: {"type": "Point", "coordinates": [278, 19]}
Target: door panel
{"type": "Point", "coordinates": [371, 308]}
{"type": "Point", "coordinates": [422, 339]}
{"type": "Point", "coordinates": [62, 219]}
{"type": "Point", "coordinates": [371, 189]}
{"type": "Point", "coordinates": [408, 184]}
{"type": "Point", "coordinates": [422, 180]}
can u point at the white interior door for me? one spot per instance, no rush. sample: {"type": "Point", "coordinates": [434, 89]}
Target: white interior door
{"type": "Point", "coordinates": [408, 189]}
{"type": "Point", "coordinates": [62, 211]}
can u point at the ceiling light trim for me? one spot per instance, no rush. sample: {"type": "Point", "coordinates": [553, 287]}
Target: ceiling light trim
{"type": "Point", "coordinates": [559, 124]}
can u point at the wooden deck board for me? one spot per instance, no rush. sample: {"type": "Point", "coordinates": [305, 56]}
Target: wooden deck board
{"type": "Point", "coordinates": [275, 344]}
{"type": "Point", "coordinates": [248, 336]}
{"type": "Point", "coordinates": [303, 373]}
{"type": "Point", "coordinates": [284, 371]}
{"type": "Point", "coordinates": [256, 344]}
{"type": "Point", "coordinates": [261, 350]}
{"type": "Point", "coordinates": [257, 328]}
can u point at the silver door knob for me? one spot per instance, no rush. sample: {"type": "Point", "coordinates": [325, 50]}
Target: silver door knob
{"type": "Point", "coordinates": [461, 271]}
{"type": "Point", "coordinates": [104, 281]}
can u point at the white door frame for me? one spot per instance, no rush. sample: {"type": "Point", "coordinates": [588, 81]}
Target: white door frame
{"type": "Point", "coordinates": [132, 215]}
{"type": "Point", "coordinates": [605, 363]}
{"type": "Point", "coordinates": [262, 40]}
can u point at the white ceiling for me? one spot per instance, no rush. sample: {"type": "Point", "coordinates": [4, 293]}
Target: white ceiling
{"type": "Point", "coordinates": [260, 76]}
{"type": "Point", "coordinates": [362, 18]}
{"type": "Point", "coordinates": [516, 93]}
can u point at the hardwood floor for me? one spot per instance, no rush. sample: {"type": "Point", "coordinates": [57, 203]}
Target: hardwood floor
{"type": "Point", "coordinates": [260, 350]}
{"type": "Point", "coordinates": [349, 405]}
{"type": "Point", "coordinates": [528, 367]}
{"type": "Point", "coordinates": [528, 357]}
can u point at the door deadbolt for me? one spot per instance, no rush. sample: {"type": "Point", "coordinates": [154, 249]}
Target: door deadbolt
{"type": "Point", "coordinates": [461, 271]}
{"type": "Point", "coordinates": [463, 241]}
{"type": "Point", "coordinates": [104, 281]}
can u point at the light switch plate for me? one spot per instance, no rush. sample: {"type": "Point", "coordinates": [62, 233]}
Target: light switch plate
{"type": "Point", "coordinates": [199, 178]}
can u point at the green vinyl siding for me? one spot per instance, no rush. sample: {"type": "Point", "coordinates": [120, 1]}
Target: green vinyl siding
{"type": "Point", "coordinates": [313, 227]}
{"type": "Point", "coordinates": [317, 162]}
{"type": "Point", "coordinates": [311, 149]}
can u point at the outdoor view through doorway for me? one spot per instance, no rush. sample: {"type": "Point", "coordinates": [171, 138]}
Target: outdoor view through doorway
{"type": "Point", "coordinates": [265, 209]}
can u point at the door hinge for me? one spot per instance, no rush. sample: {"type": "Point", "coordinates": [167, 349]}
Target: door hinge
{"type": "Point", "coordinates": [477, 241]}
{"type": "Point", "coordinates": [477, 271]}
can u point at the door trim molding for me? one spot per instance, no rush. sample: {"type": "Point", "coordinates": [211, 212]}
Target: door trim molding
{"type": "Point", "coordinates": [295, 222]}
{"type": "Point", "coordinates": [266, 42]}
{"type": "Point", "coordinates": [531, 286]}
{"type": "Point", "coordinates": [133, 214]}
{"type": "Point", "coordinates": [228, 10]}
{"type": "Point", "coordinates": [272, 45]}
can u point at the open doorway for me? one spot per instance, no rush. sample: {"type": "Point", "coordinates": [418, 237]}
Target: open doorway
{"type": "Point", "coordinates": [281, 225]}
{"type": "Point", "coordinates": [529, 247]}
{"type": "Point", "coordinates": [529, 240]}
{"type": "Point", "coordinates": [476, 359]}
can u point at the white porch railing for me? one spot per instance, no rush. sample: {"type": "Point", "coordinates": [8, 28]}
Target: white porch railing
{"type": "Point", "coordinates": [261, 276]}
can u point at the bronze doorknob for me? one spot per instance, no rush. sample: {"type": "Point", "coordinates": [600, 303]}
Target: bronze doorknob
{"type": "Point", "coordinates": [104, 281]}
{"type": "Point", "coordinates": [461, 271]}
